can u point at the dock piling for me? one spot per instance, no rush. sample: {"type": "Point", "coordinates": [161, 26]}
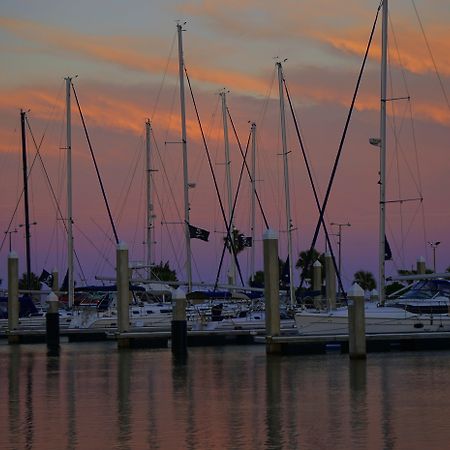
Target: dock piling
{"type": "Point", "coordinates": [317, 283]}
{"type": "Point", "coordinates": [330, 280]}
{"type": "Point", "coordinates": [179, 324]}
{"type": "Point", "coordinates": [421, 266]}
{"type": "Point", "coordinates": [356, 323]}
{"type": "Point", "coordinates": [271, 289]}
{"type": "Point", "coordinates": [13, 296]}
{"type": "Point", "coordinates": [52, 324]}
{"type": "Point", "coordinates": [123, 288]}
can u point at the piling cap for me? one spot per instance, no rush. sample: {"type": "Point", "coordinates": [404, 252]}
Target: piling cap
{"type": "Point", "coordinates": [12, 254]}
{"type": "Point", "coordinates": [122, 246]}
{"type": "Point", "coordinates": [52, 297]}
{"type": "Point", "coordinates": [178, 294]}
{"type": "Point", "coordinates": [317, 264]}
{"type": "Point", "coordinates": [421, 259]}
{"type": "Point", "coordinates": [270, 234]}
{"type": "Point", "coordinates": [356, 291]}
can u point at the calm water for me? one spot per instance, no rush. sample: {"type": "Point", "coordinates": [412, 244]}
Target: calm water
{"type": "Point", "coordinates": [94, 397]}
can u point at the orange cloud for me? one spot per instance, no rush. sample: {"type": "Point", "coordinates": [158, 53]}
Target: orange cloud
{"type": "Point", "coordinates": [412, 55]}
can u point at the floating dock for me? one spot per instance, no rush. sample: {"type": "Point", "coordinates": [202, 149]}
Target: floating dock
{"type": "Point", "coordinates": [299, 344]}
{"type": "Point", "coordinates": [287, 344]}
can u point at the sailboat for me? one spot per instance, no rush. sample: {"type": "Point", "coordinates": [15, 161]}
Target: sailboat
{"type": "Point", "coordinates": [424, 307]}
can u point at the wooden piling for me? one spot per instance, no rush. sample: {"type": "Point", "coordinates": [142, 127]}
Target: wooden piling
{"type": "Point", "coordinates": [421, 266]}
{"type": "Point", "coordinates": [13, 296]}
{"type": "Point", "coordinates": [330, 281]}
{"type": "Point", "coordinates": [356, 323]}
{"type": "Point", "coordinates": [52, 324]}
{"type": "Point", "coordinates": [179, 324]}
{"type": "Point", "coordinates": [271, 289]}
{"type": "Point", "coordinates": [123, 288]}
{"type": "Point", "coordinates": [317, 284]}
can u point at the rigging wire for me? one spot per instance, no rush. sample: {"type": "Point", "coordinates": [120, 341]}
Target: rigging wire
{"type": "Point", "coordinates": [417, 181]}
{"type": "Point", "coordinates": [311, 181]}
{"type": "Point", "coordinates": [233, 210]}
{"type": "Point", "coordinates": [227, 225]}
{"type": "Point", "coordinates": [95, 164]}
{"type": "Point", "coordinates": [341, 144]}
{"type": "Point", "coordinates": [436, 70]}
{"type": "Point", "coordinates": [160, 203]}
{"type": "Point", "coordinates": [245, 164]}
{"type": "Point", "coordinates": [155, 106]}
{"type": "Point", "coordinates": [38, 153]}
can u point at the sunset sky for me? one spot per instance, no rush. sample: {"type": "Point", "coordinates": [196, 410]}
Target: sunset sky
{"type": "Point", "coordinates": [124, 55]}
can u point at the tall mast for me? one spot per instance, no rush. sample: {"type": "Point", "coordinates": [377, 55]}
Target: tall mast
{"type": "Point", "coordinates": [25, 196]}
{"type": "Point", "coordinates": [70, 281]}
{"type": "Point", "coordinates": [150, 216]}
{"type": "Point", "coordinates": [223, 95]}
{"type": "Point", "coordinates": [286, 184]}
{"type": "Point", "coordinates": [185, 160]}
{"type": "Point", "coordinates": [382, 236]}
{"type": "Point", "coordinates": [253, 201]}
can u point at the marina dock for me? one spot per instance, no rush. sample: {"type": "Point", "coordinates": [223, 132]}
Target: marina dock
{"type": "Point", "coordinates": [288, 343]}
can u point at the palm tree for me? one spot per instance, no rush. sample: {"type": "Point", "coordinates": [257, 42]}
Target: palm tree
{"type": "Point", "coordinates": [238, 241]}
{"type": "Point", "coordinates": [308, 258]}
{"type": "Point", "coordinates": [35, 284]}
{"type": "Point", "coordinates": [163, 272]}
{"type": "Point", "coordinates": [365, 279]}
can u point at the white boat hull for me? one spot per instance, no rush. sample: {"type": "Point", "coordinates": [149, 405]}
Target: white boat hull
{"type": "Point", "coordinates": [387, 320]}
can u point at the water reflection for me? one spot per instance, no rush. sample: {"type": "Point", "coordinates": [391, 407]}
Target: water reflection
{"type": "Point", "coordinates": [124, 409]}
{"type": "Point", "coordinates": [273, 402]}
{"type": "Point", "coordinates": [94, 396]}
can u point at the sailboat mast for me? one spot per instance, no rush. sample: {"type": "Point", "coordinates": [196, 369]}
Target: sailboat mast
{"type": "Point", "coordinates": [70, 281]}
{"type": "Point", "coordinates": [382, 236]}
{"type": "Point", "coordinates": [223, 95]}
{"type": "Point", "coordinates": [25, 197]}
{"type": "Point", "coordinates": [185, 161]}
{"type": "Point", "coordinates": [150, 216]}
{"type": "Point", "coordinates": [286, 184]}
{"type": "Point", "coordinates": [253, 201]}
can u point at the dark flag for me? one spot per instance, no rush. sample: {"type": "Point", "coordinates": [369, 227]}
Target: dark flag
{"type": "Point", "coordinates": [46, 278]}
{"type": "Point", "coordinates": [198, 233]}
{"type": "Point", "coordinates": [65, 284]}
{"type": "Point", "coordinates": [245, 241]}
{"type": "Point", "coordinates": [387, 250]}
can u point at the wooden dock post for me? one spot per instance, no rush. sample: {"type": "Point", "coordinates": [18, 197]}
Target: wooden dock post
{"type": "Point", "coordinates": [272, 289]}
{"type": "Point", "coordinates": [421, 266]}
{"type": "Point", "coordinates": [55, 280]}
{"type": "Point", "coordinates": [356, 323]}
{"type": "Point", "coordinates": [52, 324]}
{"type": "Point", "coordinates": [330, 281]}
{"type": "Point", "coordinates": [123, 290]}
{"type": "Point", "coordinates": [317, 283]}
{"type": "Point", "coordinates": [13, 296]}
{"type": "Point", "coordinates": [179, 324]}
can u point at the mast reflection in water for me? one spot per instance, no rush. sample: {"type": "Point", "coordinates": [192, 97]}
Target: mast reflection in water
{"type": "Point", "coordinates": [94, 396]}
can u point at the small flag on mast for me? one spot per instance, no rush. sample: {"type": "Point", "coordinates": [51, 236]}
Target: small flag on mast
{"type": "Point", "coordinates": [387, 250]}
{"type": "Point", "coordinates": [245, 241]}
{"type": "Point", "coordinates": [198, 233]}
{"type": "Point", "coordinates": [46, 278]}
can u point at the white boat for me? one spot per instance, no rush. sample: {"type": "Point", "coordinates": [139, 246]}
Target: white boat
{"type": "Point", "coordinates": [424, 308]}
{"type": "Point", "coordinates": [404, 315]}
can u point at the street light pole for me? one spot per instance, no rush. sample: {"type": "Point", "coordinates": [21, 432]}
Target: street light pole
{"type": "Point", "coordinates": [434, 246]}
{"type": "Point", "coordinates": [339, 234]}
